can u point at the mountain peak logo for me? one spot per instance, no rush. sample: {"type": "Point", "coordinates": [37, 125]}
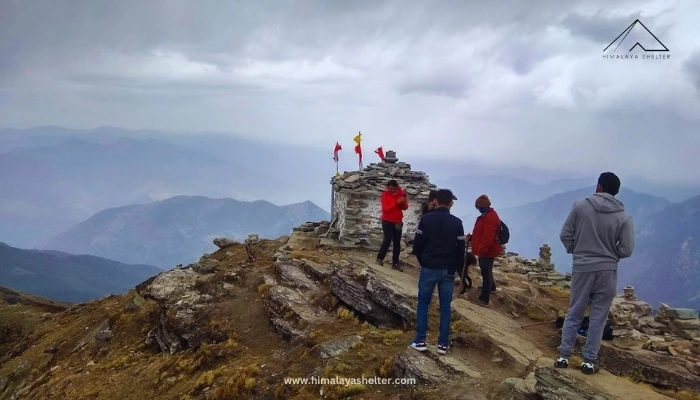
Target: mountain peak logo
{"type": "Point", "coordinates": [639, 38]}
{"type": "Point", "coordinates": [640, 34]}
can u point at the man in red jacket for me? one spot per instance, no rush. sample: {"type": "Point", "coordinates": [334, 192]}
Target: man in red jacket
{"type": "Point", "coordinates": [485, 246]}
{"type": "Point", "coordinates": [394, 202]}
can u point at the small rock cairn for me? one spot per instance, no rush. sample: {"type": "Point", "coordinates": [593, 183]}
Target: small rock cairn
{"type": "Point", "coordinates": [672, 331]}
{"type": "Point", "coordinates": [318, 228]}
{"type": "Point", "coordinates": [682, 322]}
{"type": "Point", "coordinates": [541, 270]}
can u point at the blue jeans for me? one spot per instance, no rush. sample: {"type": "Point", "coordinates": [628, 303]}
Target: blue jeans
{"type": "Point", "coordinates": [426, 285]}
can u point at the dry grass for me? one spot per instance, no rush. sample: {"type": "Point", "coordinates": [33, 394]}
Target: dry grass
{"type": "Point", "coordinates": [239, 386]}
{"type": "Point", "coordinates": [314, 256]}
{"type": "Point", "coordinates": [672, 393]}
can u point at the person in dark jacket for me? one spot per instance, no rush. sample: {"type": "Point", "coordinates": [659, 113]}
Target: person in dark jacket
{"type": "Point", "coordinates": [431, 204]}
{"type": "Point", "coordinates": [440, 247]}
{"type": "Point", "coordinates": [393, 203]}
{"type": "Point", "coordinates": [486, 247]}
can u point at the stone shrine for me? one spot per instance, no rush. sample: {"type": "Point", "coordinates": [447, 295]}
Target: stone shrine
{"type": "Point", "coordinates": [356, 209]}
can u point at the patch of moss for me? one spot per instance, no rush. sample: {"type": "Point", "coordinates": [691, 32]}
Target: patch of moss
{"type": "Point", "coordinates": [264, 288]}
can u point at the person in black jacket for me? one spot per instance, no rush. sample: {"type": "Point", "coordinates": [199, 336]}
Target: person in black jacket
{"type": "Point", "coordinates": [431, 204]}
{"type": "Point", "coordinates": [440, 247]}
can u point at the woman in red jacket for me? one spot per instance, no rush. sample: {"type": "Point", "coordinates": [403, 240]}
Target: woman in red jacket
{"type": "Point", "coordinates": [486, 246]}
{"type": "Point", "coordinates": [394, 202]}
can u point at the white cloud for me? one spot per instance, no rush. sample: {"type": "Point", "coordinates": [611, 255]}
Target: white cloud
{"type": "Point", "coordinates": [503, 82]}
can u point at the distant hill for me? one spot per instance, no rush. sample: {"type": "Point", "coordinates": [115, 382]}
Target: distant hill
{"type": "Point", "coordinates": [665, 265]}
{"type": "Point", "coordinates": [65, 277]}
{"type": "Point", "coordinates": [540, 222]}
{"type": "Point", "coordinates": [504, 191]}
{"type": "Point", "coordinates": [10, 297]}
{"type": "Point", "coordinates": [45, 190]}
{"type": "Point", "coordinates": [179, 229]}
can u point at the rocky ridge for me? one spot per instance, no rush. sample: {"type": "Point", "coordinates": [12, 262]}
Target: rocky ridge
{"type": "Point", "coordinates": [198, 332]}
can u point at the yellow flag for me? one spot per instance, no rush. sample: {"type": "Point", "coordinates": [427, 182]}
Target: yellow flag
{"type": "Point", "coordinates": [358, 138]}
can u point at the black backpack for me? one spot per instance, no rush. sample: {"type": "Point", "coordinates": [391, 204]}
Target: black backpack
{"type": "Point", "coordinates": [503, 233]}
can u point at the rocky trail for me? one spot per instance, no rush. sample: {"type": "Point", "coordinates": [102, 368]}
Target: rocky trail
{"type": "Point", "coordinates": [244, 320]}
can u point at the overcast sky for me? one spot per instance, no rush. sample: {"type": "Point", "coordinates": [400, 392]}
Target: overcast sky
{"type": "Point", "coordinates": [512, 82]}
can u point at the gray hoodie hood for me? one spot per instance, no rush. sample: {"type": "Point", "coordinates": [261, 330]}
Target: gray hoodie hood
{"type": "Point", "coordinates": [605, 203]}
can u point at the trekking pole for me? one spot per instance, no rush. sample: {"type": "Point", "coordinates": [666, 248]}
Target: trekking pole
{"type": "Point", "coordinates": [537, 323]}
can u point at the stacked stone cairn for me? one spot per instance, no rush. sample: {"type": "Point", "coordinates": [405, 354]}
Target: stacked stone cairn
{"type": "Point", "coordinates": [627, 316]}
{"type": "Point", "coordinates": [205, 265]}
{"type": "Point", "coordinates": [365, 186]}
{"type": "Point", "coordinates": [540, 270]}
{"type": "Point", "coordinates": [681, 322]}
{"type": "Point", "coordinates": [318, 228]}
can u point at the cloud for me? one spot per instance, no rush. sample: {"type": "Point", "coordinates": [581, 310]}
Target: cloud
{"type": "Point", "coordinates": [503, 82]}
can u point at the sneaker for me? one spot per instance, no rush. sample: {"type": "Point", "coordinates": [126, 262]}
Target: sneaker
{"type": "Point", "coordinates": [420, 346]}
{"type": "Point", "coordinates": [397, 267]}
{"type": "Point", "coordinates": [442, 349]}
{"type": "Point", "coordinates": [493, 291]}
{"type": "Point", "coordinates": [561, 362]}
{"type": "Point", "coordinates": [479, 302]}
{"type": "Point", "coordinates": [380, 261]}
{"type": "Point", "coordinates": [589, 368]}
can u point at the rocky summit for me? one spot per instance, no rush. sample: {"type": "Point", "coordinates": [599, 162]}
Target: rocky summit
{"type": "Point", "coordinates": [305, 317]}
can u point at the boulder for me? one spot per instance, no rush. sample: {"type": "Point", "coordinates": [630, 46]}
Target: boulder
{"type": "Point", "coordinates": [223, 243]}
{"type": "Point", "coordinates": [336, 347]}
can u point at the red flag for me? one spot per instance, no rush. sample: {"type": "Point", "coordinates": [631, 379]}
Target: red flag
{"type": "Point", "coordinates": [380, 152]}
{"type": "Point", "coordinates": [335, 151]}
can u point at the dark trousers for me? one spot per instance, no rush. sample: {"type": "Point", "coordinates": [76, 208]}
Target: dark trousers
{"type": "Point", "coordinates": [488, 283]}
{"type": "Point", "coordinates": [391, 234]}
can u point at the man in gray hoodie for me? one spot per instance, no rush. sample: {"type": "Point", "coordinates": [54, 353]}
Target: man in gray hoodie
{"type": "Point", "coordinates": [598, 232]}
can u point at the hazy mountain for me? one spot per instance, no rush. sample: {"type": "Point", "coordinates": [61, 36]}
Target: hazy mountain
{"type": "Point", "coordinates": [503, 191]}
{"type": "Point", "coordinates": [179, 229]}
{"type": "Point", "coordinates": [540, 222]}
{"type": "Point", "coordinates": [506, 191]}
{"type": "Point", "coordinates": [65, 277]}
{"type": "Point", "coordinates": [45, 190]}
{"type": "Point", "coordinates": [665, 265]}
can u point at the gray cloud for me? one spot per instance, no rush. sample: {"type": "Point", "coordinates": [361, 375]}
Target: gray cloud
{"type": "Point", "coordinates": [600, 28]}
{"type": "Point", "coordinates": [691, 67]}
{"type": "Point", "coordinates": [531, 80]}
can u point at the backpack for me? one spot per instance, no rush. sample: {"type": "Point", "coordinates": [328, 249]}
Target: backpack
{"type": "Point", "coordinates": [503, 233]}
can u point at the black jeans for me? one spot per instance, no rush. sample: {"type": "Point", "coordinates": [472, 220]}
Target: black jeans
{"type": "Point", "coordinates": [488, 283]}
{"type": "Point", "coordinates": [391, 234]}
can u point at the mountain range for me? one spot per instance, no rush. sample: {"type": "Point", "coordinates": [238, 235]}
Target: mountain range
{"type": "Point", "coordinates": [47, 189]}
{"type": "Point", "coordinates": [150, 197]}
{"type": "Point", "coordinates": [179, 229]}
{"type": "Point", "coordinates": [64, 277]}
{"type": "Point", "coordinates": [665, 266]}
{"type": "Point", "coordinates": [534, 224]}
{"type": "Point", "coordinates": [52, 178]}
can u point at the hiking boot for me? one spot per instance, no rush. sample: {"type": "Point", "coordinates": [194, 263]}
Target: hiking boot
{"type": "Point", "coordinates": [480, 302]}
{"type": "Point", "coordinates": [589, 368]}
{"type": "Point", "coordinates": [561, 362]}
{"type": "Point", "coordinates": [493, 291]}
{"type": "Point", "coordinates": [420, 346]}
{"type": "Point", "coordinates": [442, 349]}
{"type": "Point", "coordinates": [397, 267]}
{"type": "Point", "coordinates": [380, 261]}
